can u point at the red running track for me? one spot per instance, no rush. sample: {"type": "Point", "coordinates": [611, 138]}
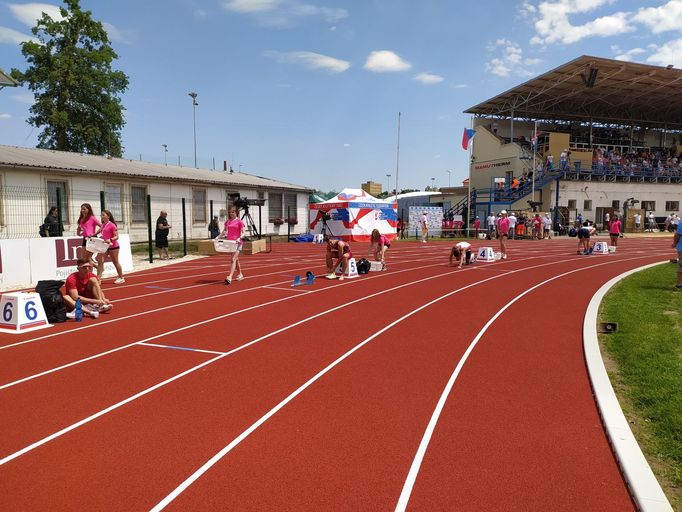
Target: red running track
{"type": "Point", "coordinates": [425, 387]}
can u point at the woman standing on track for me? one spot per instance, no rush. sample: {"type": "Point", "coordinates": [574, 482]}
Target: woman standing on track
{"type": "Point", "coordinates": [110, 236]}
{"type": "Point", "coordinates": [379, 244]}
{"type": "Point", "coordinates": [88, 226]}
{"type": "Point", "coordinates": [503, 232]}
{"type": "Point", "coordinates": [234, 230]}
{"type": "Point", "coordinates": [614, 229]}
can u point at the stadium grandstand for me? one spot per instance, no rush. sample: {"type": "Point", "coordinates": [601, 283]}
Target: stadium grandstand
{"type": "Point", "coordinates": [592, 137]}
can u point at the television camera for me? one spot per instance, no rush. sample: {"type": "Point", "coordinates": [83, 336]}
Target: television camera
{"type": "Point", "coordinates": [534, 205]}
{"type": "Point", "coordinates": [243, 203]}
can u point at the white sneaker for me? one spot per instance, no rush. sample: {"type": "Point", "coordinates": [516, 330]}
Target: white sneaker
{"type": "Point", "coordinates": [119, 280]}
{"type": "Point", "coordinates": [71, 315]}
{"type": "Point", "coordinates": [331, 276]}
{"type": "Point", "coordinates": [104, 308]}
{"type": "Point", "coordinates": [240, 277]}
{"type": "Point", "coordinates": [92, 312]}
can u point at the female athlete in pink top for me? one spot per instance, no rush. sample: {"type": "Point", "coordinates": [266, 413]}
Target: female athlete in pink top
{"type": "Point", "coordinates": [88, 226]}
{"type": "Point", "coordinates": [234, 230]}
{"type": "Point", "coordinates": [379, 244]}
{"type": "Point", "coordinates": [110, 236]}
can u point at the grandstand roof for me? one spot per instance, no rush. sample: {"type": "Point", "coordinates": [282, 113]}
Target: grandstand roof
{"type": "Point", "coordinates": [597, 89]}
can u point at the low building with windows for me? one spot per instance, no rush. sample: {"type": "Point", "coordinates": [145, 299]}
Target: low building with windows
{"type": "Point", "coordinates": [32, 180]}
{"type": "Point", "coordinates": [372, 188]}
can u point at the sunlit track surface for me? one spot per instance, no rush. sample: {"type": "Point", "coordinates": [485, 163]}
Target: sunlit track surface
{"type": "Point", "coordinates": [255, 396]}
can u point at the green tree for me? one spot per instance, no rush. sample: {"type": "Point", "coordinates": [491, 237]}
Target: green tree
{"type": "Point", "coordinates": [76, 92]}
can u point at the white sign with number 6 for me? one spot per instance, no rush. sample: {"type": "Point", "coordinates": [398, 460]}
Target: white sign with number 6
{"type": "Point", "coordinates": [22, 312]}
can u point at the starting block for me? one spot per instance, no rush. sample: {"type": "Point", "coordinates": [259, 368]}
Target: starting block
{"type": "Point", "coordinates": [318, 239]}
{"type": "Point", "coordinates": [482, 236]}
{"type": "Point", "coordinates": [309, 278]}
{"type": "Point", "coordinates": [22, 312]}
{"type": "Point", "coordinates": [352, 269]}
{"type": "Point", "coordinates": [486, 254]}
{"type": "Point", "coordinates": [375, 266]}
{"type": "Point", "coordinates": [601, 248]}
{"type": "Point", "coordinates": [297, 281]}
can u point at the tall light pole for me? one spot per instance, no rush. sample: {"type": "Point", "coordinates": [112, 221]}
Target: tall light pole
{"type": "Point", "coordinates": [433, 184]}
{"type": "Point", "coordinates": [388, 185]}
{"type": "Point", "coordinates": [240, 168]}
{"type": "Point", "coordinates": [449, 174]}
{"type": "Point", "coordinates": [193, 95]}
{"type": "Point", "coordinates": [165, 153]}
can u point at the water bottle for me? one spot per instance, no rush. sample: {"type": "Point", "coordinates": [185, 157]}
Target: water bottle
{"type": "Point", "coordinates": [79, 310]}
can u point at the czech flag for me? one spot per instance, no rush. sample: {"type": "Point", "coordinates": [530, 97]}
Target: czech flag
{"type": "Point", "coordinates": [466, 137]}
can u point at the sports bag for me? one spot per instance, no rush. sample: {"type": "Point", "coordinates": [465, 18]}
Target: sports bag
{"type": "Point", "coordinates": [53, 302]}
{"type": "Point", "coordinates": [363, 266]}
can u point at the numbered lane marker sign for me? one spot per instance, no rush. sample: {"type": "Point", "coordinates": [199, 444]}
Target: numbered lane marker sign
{"type": "Point", "coordinates": [601, 248]}
{"type": "Point", "coordinates": [486, 254]}
{"type": "Point", "coordinates": [22, 312]}
{"type": "Point", "coordinates": [352, 268]}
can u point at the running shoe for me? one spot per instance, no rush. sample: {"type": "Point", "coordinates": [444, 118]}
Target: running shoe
{"type": "Point", "coordinates": [119, 280]}
{"type": "Point", "coordinates": [228, 280]}
{"type": "Point", "coordinates": [105, 307]}
{"type": "Point", "coordinates": [71, 315]}
{"type": "Point", "coordinates": [240, 277]}
{"type": "Point", "coordinates": [330, 276]}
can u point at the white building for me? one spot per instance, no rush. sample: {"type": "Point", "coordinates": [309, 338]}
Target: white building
{"type": "Point", "coordinates": [31, 180]}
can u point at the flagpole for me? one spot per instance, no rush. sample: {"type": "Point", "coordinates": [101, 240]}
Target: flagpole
{"type": "Point", "coordinates": [397, 162]}
{"type": "Point", "coordinates": [471, 123]}
{"type": "Point", "coordinates": [534, 147]}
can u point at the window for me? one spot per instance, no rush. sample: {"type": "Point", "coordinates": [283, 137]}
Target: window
{"type": "Point", "coordinates": [649, 205]}
{"type": "Point", "coordinates": [290, 206]}
{"type": "Point", "coordinates": [113, 200]}
{"type": "Point", "coordinates": [138, 203]}
{"type": "Point", "coordinates": [672, 206]}
{"type": "Point", "coordinates": [572, 204]}
{"type": "Point", "coordinates": [199, 204]}
{"type": "Point", "coordinates": [615, 205]}
{"type": "Point", "coordinates": [275, 206]}
{"type": "Point", "coordinates": [52, 187]}
{"type": "Point", "coordinates": [587, 205]}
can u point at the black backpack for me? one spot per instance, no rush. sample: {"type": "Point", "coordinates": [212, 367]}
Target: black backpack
{"type": "Point", "coordinates": [572, 232]}
{"type": "Point", "coordinates": [53, 302]}
{"type": "Point", "coordinates": [363, 266]}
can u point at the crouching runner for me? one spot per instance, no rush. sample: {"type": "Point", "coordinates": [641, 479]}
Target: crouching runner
{"type": "Point", "coordinates": [460, 254]}
{"type": "Point", "coordinates": [338, 252]}
{"type": "Point", "coordinates": [84, 284]}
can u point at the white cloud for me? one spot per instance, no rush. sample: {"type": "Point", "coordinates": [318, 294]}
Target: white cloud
{"type": "Point", "coordinates": [346, 145]}
{"type": "Point", "coordinates": [310, 60]}
{"type": "Point", "coordinates": [552, 22]}
{"type": "Point", "coordinates": [26, 97]}
{"type": "Point", "coordinates": [383, 61]}
{"type": "Point", "coordinates": [661, 19]}
{"type": "Point", "coordinates": [5, 116]}
{"type": "Point", "coordinates": [116, 34]}
{"type": "Point", "coordinates": [459, 86]}
{"type": "Point", "coordinates": [509, 59]}
{"type": "Point", "coordinates": [668, 53]}
{"type": "Point", "coordinates": [28, 14]}
{"type": "Point", "coordinates": [628, 55]}
{"type": "Point", "coordinates": [10, 36]}
{"type": "Point", "coordinates": [428, 78]}
{"type": "Point", "coordinates": [284, 12]}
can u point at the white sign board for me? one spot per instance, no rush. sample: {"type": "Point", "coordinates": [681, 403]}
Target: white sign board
{"type": "Point", "coordinates": [15, 265]}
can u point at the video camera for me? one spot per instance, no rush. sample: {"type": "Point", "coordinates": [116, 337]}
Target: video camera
{"type": "Point", "coordinates": [325, 215]}
{"type": "Point", "coordinates": [245, 202]}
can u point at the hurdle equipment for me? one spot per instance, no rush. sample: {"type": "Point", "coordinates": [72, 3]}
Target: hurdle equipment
{"type": "Point", "coordinates": [309, 278]}
{"type": "Point", "coordinates": [601, 248]}
{"type": "Point", "coordinates": [297, 281]}
{"type": "Point", "coordinates": [486, 254]}
{"type": "Point", "coordinates": [352, 269]}
{"type": "Point", "coordinates": [22, 312]}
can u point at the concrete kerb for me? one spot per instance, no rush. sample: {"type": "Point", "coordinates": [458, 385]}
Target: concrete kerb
{"type": "Point", "coordinates": [645, 489]}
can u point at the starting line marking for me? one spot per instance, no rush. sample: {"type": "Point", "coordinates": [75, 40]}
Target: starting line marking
{"type": "Point", "coordinates": [287, 289]}
{"type": "Point", "coordinates": [175, 347]}
{"type": "Point", "coordinates": [159, 288]}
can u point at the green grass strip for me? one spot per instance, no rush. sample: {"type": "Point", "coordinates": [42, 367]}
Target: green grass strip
{"type": "Point", "coordinates": [647, 353]}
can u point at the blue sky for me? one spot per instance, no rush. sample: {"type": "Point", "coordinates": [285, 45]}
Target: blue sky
{"type": "Point", "coordinates": [308, 91]}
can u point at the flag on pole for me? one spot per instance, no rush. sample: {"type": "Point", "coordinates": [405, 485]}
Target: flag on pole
{"type": "Point", "coordinates": [534, 140]}
{"type": "Point", "coordinates": [466, 137]}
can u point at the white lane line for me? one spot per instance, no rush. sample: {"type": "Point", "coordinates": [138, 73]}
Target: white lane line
{"type": "Point", "coordinates": [205, 363]}
{"type": "Point", "coordinates": [290, 289]}
{"type": "Point", "coordinates": [176, 347]}
{"type": "Point", "coordinates": [190, 326]}
{"type": "Point", "coordinates": [428, 433]}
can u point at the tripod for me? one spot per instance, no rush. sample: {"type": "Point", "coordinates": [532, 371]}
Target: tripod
{"type": "Point", "coordinates": [250, 225]}
{"type": "Point", "coordinates": [325, 227]}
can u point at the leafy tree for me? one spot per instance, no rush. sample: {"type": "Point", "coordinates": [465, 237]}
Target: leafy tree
{"type": "Point", "coordinates": [75, 89]}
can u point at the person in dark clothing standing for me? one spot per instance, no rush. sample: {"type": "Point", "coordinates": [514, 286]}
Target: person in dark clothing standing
{"type": "Point", "coordinates": [51, 225]}
{"type": "Point", "coordinates": [161, 235]}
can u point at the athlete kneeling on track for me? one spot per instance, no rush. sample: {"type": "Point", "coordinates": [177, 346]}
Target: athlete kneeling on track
{"type": "Point", "coordinates": [584, 234]}
{"type": "Point", "coordinates": [461, 253]}
{"type": "Point", "coordinates": [379, 244]}
{"type": "Point", "coordinates": [338, 252]}
{"type": "Point", "coordinates": [84, 285]}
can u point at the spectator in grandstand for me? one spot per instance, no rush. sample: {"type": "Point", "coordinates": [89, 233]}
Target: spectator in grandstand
{"type": "Point", "coordinates": [651, 222]}
{"type": "Point", "coordinates": [563, 160]}
{"type": "Point", "coordinates": [677, 244]}
{"type": "Point", "coordinates": [161, 235]}
{"type": "Point", "coordinates": [338, 253]}
{"type": "Point", "coordinates": [584, 234]}
{"type": "Point", "coordinates": [615, 228]}
{"type": "Point", "coordinates": [549, 163]}
{"type": "Point", "coordinates": [547, 226]}
{"type": "Point", "coordinates": [110, 236]}
{"type": "Point", "coordinates": [424, 226]}
{"type": "Point", "coordinates": [512, 225]}
{"type": "Point", "coordinates": [378, 246]}
{"type": "Point", "coordinates": [84, 284]}
{"type": "Point", "coordinates": [514, 185]}
{"type": "Point", "coordinates": [503, 232]}
{"type": "Point", "coordinates": [234, 231]}
{"type": "Point", "coordinates": [51, 225]}
{"type": "Point", "coordinates": [637, 218]}
{"type": "Point", "coordinates": [460, 254]}
{"type": "Point", "coordinates": [476, 226]}
{"type": "Point", "coordinates": [88, 226]}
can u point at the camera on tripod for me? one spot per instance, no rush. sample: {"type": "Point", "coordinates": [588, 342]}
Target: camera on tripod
{"type": "Point", "coordinates": [245, 202]}
{"type": "Point", "coordinates": [326, 216]}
